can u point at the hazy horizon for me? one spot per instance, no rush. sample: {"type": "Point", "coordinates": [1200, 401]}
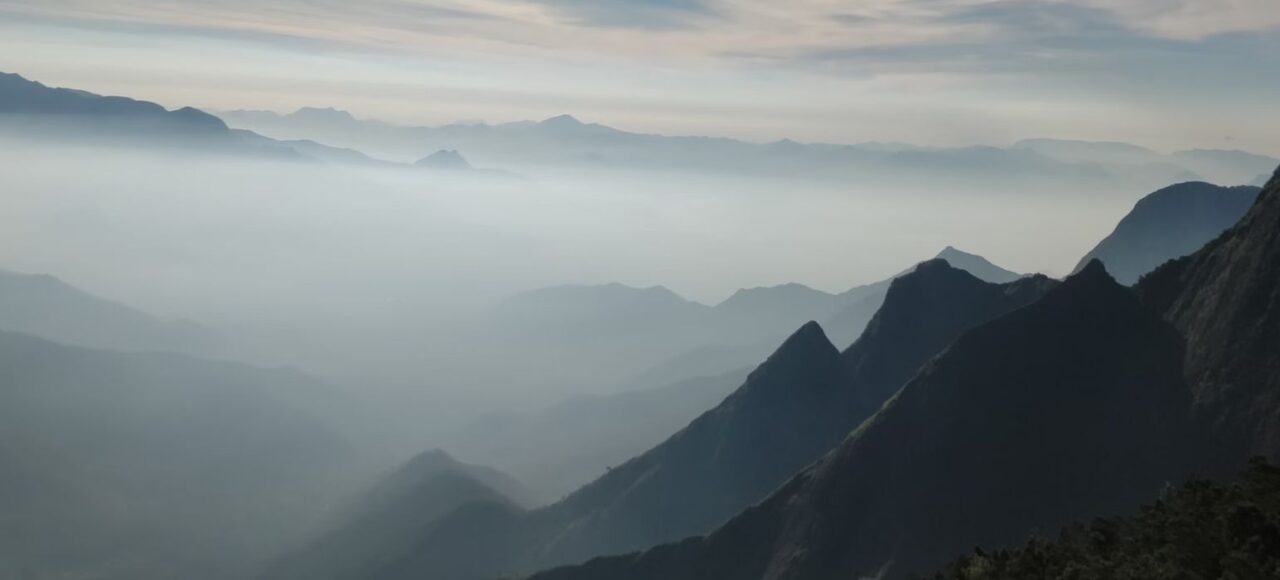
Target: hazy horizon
{"type": "Point", "coordinates": [939, 73]}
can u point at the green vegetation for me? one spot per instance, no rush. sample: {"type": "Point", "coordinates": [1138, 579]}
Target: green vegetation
{"type": "Point", "coordinates": [1203, 530]}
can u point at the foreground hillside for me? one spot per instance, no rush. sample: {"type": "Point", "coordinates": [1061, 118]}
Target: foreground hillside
{"type": "Point", "coordinates": [1203, 530]}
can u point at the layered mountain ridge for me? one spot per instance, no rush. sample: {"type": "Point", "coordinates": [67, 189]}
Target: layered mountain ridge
{"type": "Point", "coordinates": [798, 404]}
{"type": "Point", "coordinates": [1083, 403]}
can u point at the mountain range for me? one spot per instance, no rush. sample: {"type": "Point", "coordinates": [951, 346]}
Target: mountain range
{"type": "Point", "coordinates": [1083, 403]}
{"type": "Point", "coordinates": [565, 141]}
{"type": "Point", "coordinates": [794, 407]}
{"type": "Point", "coordinates": [36, 113]}
{"type": "Point", "coordinates": [665, 354]}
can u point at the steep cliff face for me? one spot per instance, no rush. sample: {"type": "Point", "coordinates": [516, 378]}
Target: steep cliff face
{"type": "Point", "coordinates": [1225, 299]}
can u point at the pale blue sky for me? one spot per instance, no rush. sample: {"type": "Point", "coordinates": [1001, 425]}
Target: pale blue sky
{"type": "Point", "coordinates": [1168, 74]}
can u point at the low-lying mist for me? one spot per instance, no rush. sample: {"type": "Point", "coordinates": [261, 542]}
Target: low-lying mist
{"type": "Point", "coordinates": [368, 275]}
{"type": "Point", "coordinates": [550, 323]}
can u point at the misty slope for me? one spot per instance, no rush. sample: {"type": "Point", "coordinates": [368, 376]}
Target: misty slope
{"type": "Point", "coordinates": [556, 450]}
{"type": "Point", "coordinates": [1068, 407]}
{"type": "Point", "coordinates": [47, 307]}
{"type": "Point", "coordinates": [384, 522]}
{"type": "Point", "coordinates": [1215, 165]}
{"type": "Point", "coordinates": [211, 465]}
{"type": "Point", "coordinates": [793, 408]}
{"type": "Point", "coordinates": [1225, 299]}
{"type": "Point", "coordinates": [1168, 224]}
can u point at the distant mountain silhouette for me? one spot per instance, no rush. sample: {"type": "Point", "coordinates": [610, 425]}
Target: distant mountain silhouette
{"type": "Point", "coordinates": [386, 521]}
{"type": "Point", "coordinates": [1005, 432]}
{"type": "Point", "coordinates": [21, 96]}
{"type": "Point", "coordinates": [28, 108]}
{"type": "Point", "coordinates": [31, 110]}
{"type": "Point", "coordinates": [1167, 224]}
{"type": "Point", "coordinates": [47, 307]}
{"type": "Point", "coordinates": [1091, 151]}
{"type": "Point", "coordinates": [565, 140]}
{"type": "Point", "coordinates": [794, 407]}
{"type": "Point", "coordinates": [1214, 165]}
{"type": "Point", "coordinates": [1225, 166]}
{"type": "Point", "coordinates": [164, 465]}
{"type": "Point", "coordinates": [762, 310]}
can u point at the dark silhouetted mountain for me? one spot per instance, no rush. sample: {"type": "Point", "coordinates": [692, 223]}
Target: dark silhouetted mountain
{"type": "Point", "coordinates": [386, 521]}
{"type": "Point", "coordinates": [47, 307]}
{"type": "Point", "coordinates": [1203, 530]}
{"type": "Point", "coordinates": [977, 265]}
{"type": "Point", "coordinates": [444, 159]}
{"type": "Point", "coordinates": [859, 304]}
{"type": "Point", "coordinates": [1261, 180]}
{"type": "Point", "coordinates": [184, 467]}
{"type": "Point", "coordinates": [1069, 407]}
{"type": "Point", "coordinates": [1225, 299]}
{"type": "Point", "coordinates": [1168, 224]}
{"type": "Point", "coordinates": [793, 408]}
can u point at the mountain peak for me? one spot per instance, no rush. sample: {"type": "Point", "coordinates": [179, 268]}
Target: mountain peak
{"type": "Point", "coordinates": [810, 332]}
{"type": "Point", "coordinates": [444, 159]}
{"type": "Point", "coordinates": [323, 113]}
{"type": "Point", "coordinates": [562, 121]}
{"type": "Point", "coordinates": [976, 265]}
{"type": "Point", "coordinates": [808, 343]}
{"type": "Point", "coordinates": [1093, 268]}
{"type": "Point", "coordinates": [933, 265]}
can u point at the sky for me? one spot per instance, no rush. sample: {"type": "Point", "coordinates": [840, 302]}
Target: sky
{"type": "Point", "coordinates": [1168, 74]}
